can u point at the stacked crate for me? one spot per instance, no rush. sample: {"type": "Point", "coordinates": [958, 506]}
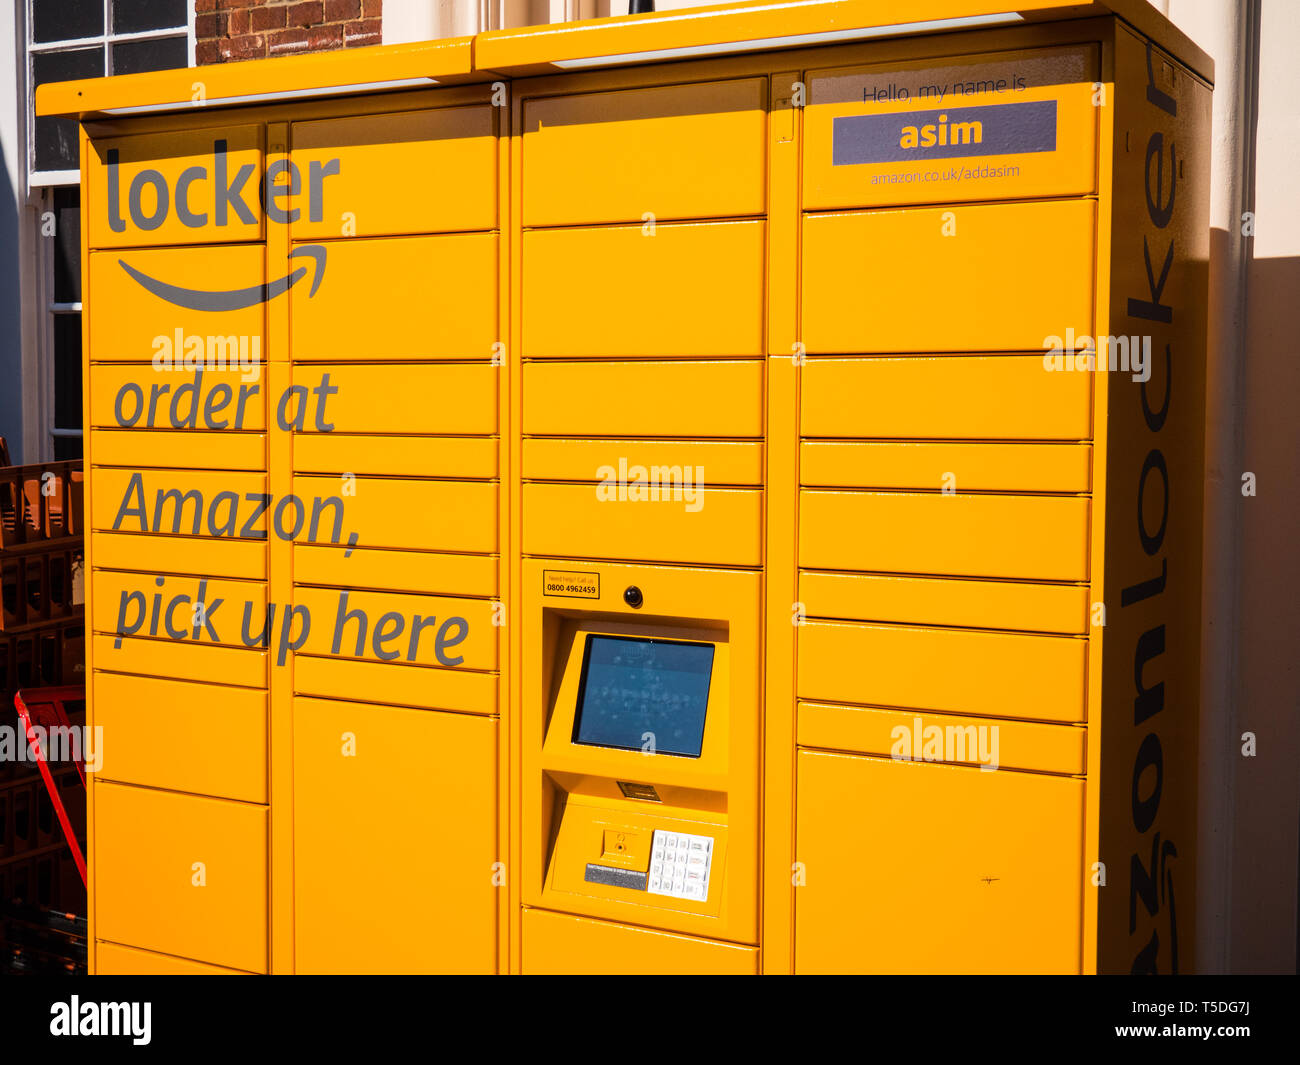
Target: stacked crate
{"type": "Point", "coordinates": [42, 643]}
{"type": "Point", "coordinates": [42, 631]}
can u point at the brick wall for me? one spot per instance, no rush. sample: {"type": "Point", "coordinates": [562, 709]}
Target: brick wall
{"type": "Point", "coordinates": [230, 30]}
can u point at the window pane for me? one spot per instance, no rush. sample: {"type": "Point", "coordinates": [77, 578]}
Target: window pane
{"type": "Point", "coordinates": [67, 447]}
{"type": "Point", "coordinates": [56, 144]}
{"type": "Point", "coordinates": [136, 57]}
{"type": "Point", "coordinates": [133, 16]}
{"type": "Point", "coordinates": [66, 20]}
{"type": "Point", "coordinates": [56, 138]}
{"type": "Point", "coordinates": [67, 65]}
{"type": "Point", "coordinates": [67, 371]}
{"type": "Point", "coordinates": [67, 245]}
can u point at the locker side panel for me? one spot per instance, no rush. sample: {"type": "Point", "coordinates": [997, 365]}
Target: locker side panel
{"type": "Point", "coordinates": [1154, 475]}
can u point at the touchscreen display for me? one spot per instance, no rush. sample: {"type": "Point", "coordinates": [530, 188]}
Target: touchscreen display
{"type": "Point", "coordinates": [638, 692]}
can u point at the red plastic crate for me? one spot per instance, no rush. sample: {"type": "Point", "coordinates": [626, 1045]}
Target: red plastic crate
{"type": "Point", "coordinates": [37, 584]}
{"type": "Point", "coordinates": [52, 654]}
{"type": "Point", "coordinates": [40, 501]}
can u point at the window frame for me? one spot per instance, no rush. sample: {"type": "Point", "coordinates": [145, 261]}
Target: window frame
{"type": "Point", "coordinates": [39, 394]}
{"type": "Point", "coordinates": [106, 40]}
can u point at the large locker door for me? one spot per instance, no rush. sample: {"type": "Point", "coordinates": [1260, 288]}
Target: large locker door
{"type": "Point", "coordinates": [394, 840]}
{"type": "Point", "coordinates": [913, 867]}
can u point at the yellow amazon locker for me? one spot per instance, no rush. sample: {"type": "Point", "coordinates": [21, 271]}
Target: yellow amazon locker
{"type": "Point", "coordinates": [713, 483]}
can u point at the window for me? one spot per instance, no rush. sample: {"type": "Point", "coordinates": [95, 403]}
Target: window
{"type": "Point", "coordinates": [67, 40]}
{"type": "Point", "coordinates": [70, 39]}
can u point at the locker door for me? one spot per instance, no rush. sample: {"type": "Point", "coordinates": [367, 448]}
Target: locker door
{"type": "Point", "coordinates": [922, 868]}
{"type": "Point", "coordinates": [394, 839]}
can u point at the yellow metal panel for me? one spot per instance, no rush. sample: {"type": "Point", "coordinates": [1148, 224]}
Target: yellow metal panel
{"type": "Point", "coordinates": [280, 666]}
{"type": "Point", "coordinates": [207, 739]}
{"type": "Point", "coordinates": [131, 323]}
{"type": "Point", "coordinates": [510, 753]}
{"type": "Point", "coordinates": [1006, 744]}
{"type": "Point", "coordinates": [401, 685]}
{"type": "Point", "coordinates": [781, 524]}
{"type": "Point", "coordinates": [956, 467]}
{"type": "Point", "coordinates": [584, 836]}
{"type": "Point", "coordinates": [174, 502]}
{"type": "Point", "coordinates": [1024, 605]}
{"type": "Point", "coordinates": [457, 144]}
{"type": "Point", "coordinates": [387, 512]}
{"type": "Point", "coordinates": [140, 448]}
{"type": "Point", "coordinates": [113, 959]}
{"type": "Point", "coordinates": [181, 554]}
{"type": "Point", "coordinates": [651, 147]}
{"type": "Point", "coordinates": [737, 27]}
{"type": "Point", "coordinates": [507, 413]}
{"type": "Point", "coordinates": [1148, 686]}
{"type": "Point", "coordinates": [609, 398]}
{"type": "Point", "coordinates": [411, 456]}
{"type": "Point", "coordinates": [594, 42]}
{"type": "Point", "coordinates": [88, 541]}
{"type": "Point", "coordinates": [884, 423]}
{"type": "Point", "coordinates": [999, 291]}
{"type": "Point", "coordinates": [182, 875]}
{"type": "Point", "coordinates": [966, 535]}
{"type": "Point", "coordinates": [1098, 660]}
{"type": "Point", "coordinates": [571, 520]}
{"type": "Point", "coordinates": [987, 867]}
{"type": "Point", "coordinates": [705, 795]}
{"type": "Point", "coordinates": [397, 571]}
{"type": "Point", "coordinates": [884, 133]}
{"type": "Point", "coordinates": [988, 674]}
{"type": "Point", "coordinates": [998, 397]}
{"type": "Point", "coordinates": [559, 944]}
{"type": "Point", "coordinates": [446, 60]}
{"type": "Point", "coordinates": [642, 290]}
{"type": "Point", "coordinates": [172, 189]}
{"type": "Point", "coordinates": [127, 600]}
{"type": "Point", "coordinates": [716, 461]}
{"type": "Point", "coordinates": [182, 661]}
{"type": "Point", "coordinates": [226, 399]}
{"type": "Point", "coordinates": [438, 295]}
{"type": "Point", "coordinates": [423, 629]}
{"type": "Point", "coordinates": [451, 398]}
{"type": "Point", "coordinates": [744, 27]}
{"type": "Point", "coordinates": [357, 833]}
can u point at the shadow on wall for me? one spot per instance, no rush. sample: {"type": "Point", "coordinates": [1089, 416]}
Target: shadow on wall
{"type": "Point", "coordinates": [1264, 884]}
{"type": "Point", "coordinates": [11, 331]}
{"type": "Point", "coordinates": [1267, 786]}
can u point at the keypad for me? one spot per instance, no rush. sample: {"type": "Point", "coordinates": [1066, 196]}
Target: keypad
{"type": "Point", "coordinates": [680, 864]}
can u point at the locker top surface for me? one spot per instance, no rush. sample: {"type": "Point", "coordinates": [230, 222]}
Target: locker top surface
{"type": "Point", "coordinates": [718, 31]}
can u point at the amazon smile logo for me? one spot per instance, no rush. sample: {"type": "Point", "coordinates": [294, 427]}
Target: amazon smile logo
{"type": "Point", "coordinates": [216, 195]}
{"type": "Point", "coordinates": [236, 299]}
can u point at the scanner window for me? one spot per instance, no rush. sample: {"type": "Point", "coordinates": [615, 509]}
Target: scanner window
{"type": "Point", "coordinates": [631, 687]}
